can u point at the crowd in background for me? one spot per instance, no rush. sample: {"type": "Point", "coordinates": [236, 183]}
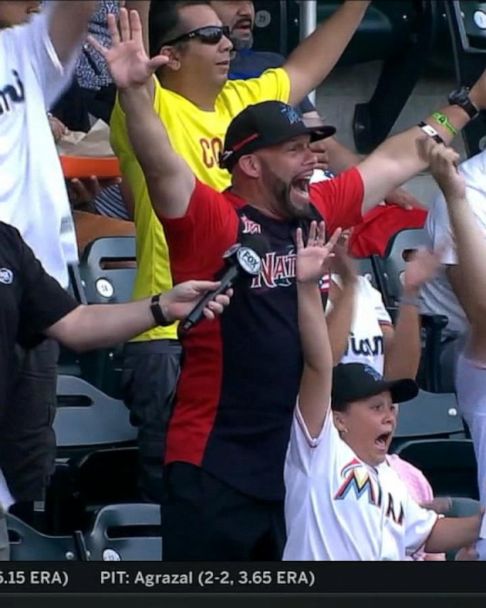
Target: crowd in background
{"type": "Point", "coordinates": [264, 433]}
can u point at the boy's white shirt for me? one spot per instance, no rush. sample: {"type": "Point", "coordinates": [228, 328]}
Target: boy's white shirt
{"type": "Point", "coordinates": [339, 508]}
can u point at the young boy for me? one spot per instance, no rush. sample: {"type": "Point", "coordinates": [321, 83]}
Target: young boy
{"type": "Point", "coordinates": [343, 501]}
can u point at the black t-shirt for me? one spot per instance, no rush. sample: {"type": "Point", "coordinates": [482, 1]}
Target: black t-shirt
{"type": "Point", "coordinates": [30, 302]}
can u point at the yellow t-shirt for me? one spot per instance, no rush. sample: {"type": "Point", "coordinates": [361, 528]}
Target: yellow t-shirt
{"type": "Point", "coordinates": [198, 137]}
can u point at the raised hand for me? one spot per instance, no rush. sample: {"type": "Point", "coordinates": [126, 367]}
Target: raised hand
{"type": "Point", "coordinates": [127, 60]}
{"type": "Point", "coordinates": [421, 267]}
{"type": "Point", "coordinates": [443, 163]}
{"type": "Point", "coordinates": [311, 258]}
{"type": "Point", "coordinates": [178, 302]}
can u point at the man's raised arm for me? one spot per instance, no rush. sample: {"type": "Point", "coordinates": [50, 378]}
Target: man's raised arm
{"type": "Point", "coordinates": [169, 179]}
{"type": "Point", "coordinates": [68, 24]}
{"type": "Point", "coordinates": [311, 62]}
{"type": "Point", "coordinates": [399, 158]}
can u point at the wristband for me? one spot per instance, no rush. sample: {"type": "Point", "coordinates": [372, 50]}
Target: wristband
{"type": "Point", "coordinates": [431, 132]}
{"type": "Point", "coordinates": [157, 313]}
{"type": "Point", "coordinates": [410, 301]}
{"type": "Point", "coordinates": [444, 121]}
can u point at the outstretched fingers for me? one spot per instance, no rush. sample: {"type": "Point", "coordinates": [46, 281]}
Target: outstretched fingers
{"type": "Point", "coordinates": [332, 242]}
{"type": "Point", "coordinates": [113, 29]}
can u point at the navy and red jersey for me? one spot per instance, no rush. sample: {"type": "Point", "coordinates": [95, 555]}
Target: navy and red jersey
{"type": "Point", "coordinates": [241, 373]}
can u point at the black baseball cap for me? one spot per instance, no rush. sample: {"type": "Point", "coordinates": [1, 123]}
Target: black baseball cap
{"type": "Point", "coordinates": [265, 124]}
{"type": "Point", "coordinates": [355, 381]}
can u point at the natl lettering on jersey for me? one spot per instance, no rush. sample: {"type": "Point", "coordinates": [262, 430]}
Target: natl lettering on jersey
{"type": "Point", "coordinates": [359, 482]}
{"type": "Point", "coordinates": [11, 94]}
{"type": "Point", "coordinates": [278, 269]}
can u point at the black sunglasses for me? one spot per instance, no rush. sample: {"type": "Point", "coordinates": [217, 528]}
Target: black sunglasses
{"type": "Point", "coordinates": [209, 34]}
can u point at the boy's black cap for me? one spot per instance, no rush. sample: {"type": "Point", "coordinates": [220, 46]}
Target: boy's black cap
{"type": "Point", "coordinates": [355, 381]}
{"type": "Point", "coordinates": [265, 124]}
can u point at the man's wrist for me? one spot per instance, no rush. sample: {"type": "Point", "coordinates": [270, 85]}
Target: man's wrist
{"type": "Point", "coordinates": [160, 310]}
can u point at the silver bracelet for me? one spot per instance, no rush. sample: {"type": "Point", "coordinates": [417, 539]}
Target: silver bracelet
{"type": "Point", "coordinates": [410, 300]}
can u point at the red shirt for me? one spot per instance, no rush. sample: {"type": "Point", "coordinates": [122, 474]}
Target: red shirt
{"type": "Point", "coordinates": [241, 374]}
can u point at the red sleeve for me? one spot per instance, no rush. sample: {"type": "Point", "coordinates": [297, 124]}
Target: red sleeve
{"type": "Point", "coordinates": [339, 200]}
{"type": "Point", "coordinates": [198, 240]}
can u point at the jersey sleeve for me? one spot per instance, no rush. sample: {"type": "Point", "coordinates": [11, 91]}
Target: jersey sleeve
{"type": "Point", "coordinates": [198, 240]}
{"type": "Point", "coordinates": [305, 451]}
{"type": "Point", "coordinates": [418, 525]}
{"type": "Point", "coordinates": [43, 301]}
{"type": "Point", "coordinates": [272, 85]}
{"type": "Point", "coordinates": [339, 200]}
{"type": "Point", "coordinates": [32, 43]}
{"type": "Point", "coordinates": [376, 298]}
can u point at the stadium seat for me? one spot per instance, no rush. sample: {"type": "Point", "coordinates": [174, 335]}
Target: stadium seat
{"type": "Point", "coordinates": [107, 269]}
{"type": "Point", "coordinates": [86, 417]}
{"type": "Point", "coordinates": [125, 532]}
{"type": "Point", "coordinates": [28, 544]}
{"type": "Point", "coordinates": [429, 415]}
{"type": "Point", "coordinates": [394, 262]}
{"type": "Point", "coordinates": [448, 464]}
{"type": "Point", "coordinates": [366, 267]}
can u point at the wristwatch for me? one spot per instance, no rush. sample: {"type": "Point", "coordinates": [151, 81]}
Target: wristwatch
{"type": "Point", "coordinates": [157, 313]}
{"type": "Point", "coordinates": [460, 97]}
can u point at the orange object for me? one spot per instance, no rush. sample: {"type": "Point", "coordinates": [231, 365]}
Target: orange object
{"type": "Point", "coordinates": [105, 167]}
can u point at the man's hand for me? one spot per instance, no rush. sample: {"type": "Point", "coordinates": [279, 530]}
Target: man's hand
{"type": "Point", "coordinates": [320, 150]}
{"type": "Point", "coordinates": [421, 268]}
{"type": "Point", "coordinates": [443, 163]}
{"type": "Point", "coordinates": [58, 128]}
{"type": "Point", "coordinates": [311, 258]}
{"type": "Point", "coordinates": [82, 192]}
{"type": "Point", "coordinates": [127, 60]}
{"type": "Point", "coordinates": [477, 93]}
{"type": "Point", "coordinates": [177, 303]}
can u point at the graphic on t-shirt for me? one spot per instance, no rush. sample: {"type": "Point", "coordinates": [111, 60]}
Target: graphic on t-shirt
{"type": "Point", "coordinates": [11, 93]}
{"type": "Point", "coordinates": [211, 151]}
{"type": "Point", "coordinates": [366, 346]}
{"type": "Point", "coordinates": [358, 481]}
{"type": "Point", "coordinates": [249, 226]}
{"type": "Point", "coordinates": [277, 270]}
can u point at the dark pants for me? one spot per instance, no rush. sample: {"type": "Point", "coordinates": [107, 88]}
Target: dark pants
{"type": "Point", "coordinates": [4, 545]}
{"type": "Point", "coordinates": [27, 440]}
{"type": "Point", "coordinates": [150, 373]}
{"type": "Point", "coordinates": [205, 519]}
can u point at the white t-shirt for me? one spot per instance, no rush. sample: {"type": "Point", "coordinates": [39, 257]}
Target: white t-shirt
{"type": "Point", "coordinates": [33, 196]}
{"type": "Point", "coordinates": [437, 295]}
{"type": "Point", "coordinates": [339, 508]}
{"type": "Point", "coordinates": [365, 343]}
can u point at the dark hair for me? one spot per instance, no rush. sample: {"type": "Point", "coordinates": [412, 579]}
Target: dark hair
{"type": "Point", "coordinates": [164, 21]}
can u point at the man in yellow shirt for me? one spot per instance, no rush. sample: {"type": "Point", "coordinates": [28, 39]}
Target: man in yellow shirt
{"type": "Point", "coordinates": [196, 102]}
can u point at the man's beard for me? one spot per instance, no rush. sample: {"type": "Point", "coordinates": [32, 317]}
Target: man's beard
{"type": "Point", "coordinates": [242, 45]}
{"type": "Point", "coordinates": [281, 193]}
